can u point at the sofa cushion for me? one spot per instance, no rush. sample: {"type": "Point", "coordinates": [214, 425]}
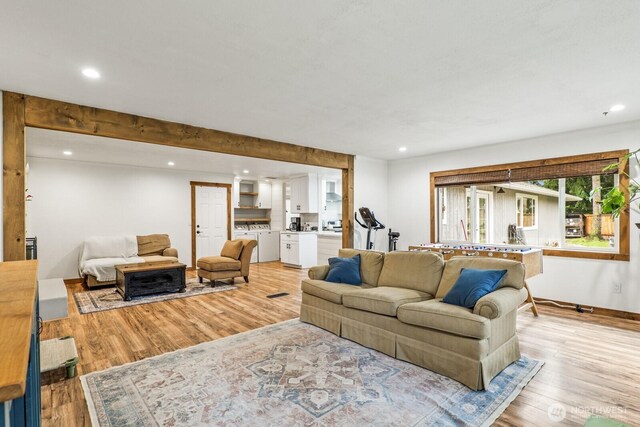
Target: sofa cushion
{"type": "Point", "coordinates": [382, 300]}
{"type": "Point", "coordinates": [454, 319]}
{"type": "Point", "coordinates": [159, 258]}
{"type": "Point", "coordinates": [232, 249]}
{"type": "Point", "coordinates": [153, 244]}
{"type": "Point", "coordinates": [514, 277]}
{"type": "Point", "coordinates": [218, 263]}
{"type": "Point", "coordinates": [472, 285]}
{"type": "Point", "coordinates": [420, 271]}
{"type": "Point", "coordinates": [344, 270]}
{"type": "Point", "coordinates": [370, 264]}
{"type": "Point", "coordinates": [328, 291]}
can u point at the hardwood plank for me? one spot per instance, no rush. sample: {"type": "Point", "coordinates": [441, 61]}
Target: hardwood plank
{"type": "Point", "coordinates": [63, 116]}
{"type": "Point", "coordinates": [591, 361]}
{"type": "Point", "coordinates": [18, 286]}
{"type": "Point", "coordinates": [14, 176]}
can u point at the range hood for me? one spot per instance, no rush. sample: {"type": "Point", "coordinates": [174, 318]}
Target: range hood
{"type": "Point", "coordinates": [332, 196]}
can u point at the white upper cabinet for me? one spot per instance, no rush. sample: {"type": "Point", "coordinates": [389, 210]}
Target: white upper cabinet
{"type": "Point", "coordinates": [304, 194]}
{"type": "Point", "coordinates": [264, 195]}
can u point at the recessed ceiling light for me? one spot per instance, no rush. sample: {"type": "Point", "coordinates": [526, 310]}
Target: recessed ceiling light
{"type": "Point", "coordinates": [402, 149]}
{"type": "Point", "coordinates": [617, 107]}
{"type": "Point", "coordinates": [67, 153]}
{"type": "Point", "coordinates": [245, 171]}
{"type": "Point", "coordinates": [91, 73]}
{"type": "Point", "coordinates": [171, 163]}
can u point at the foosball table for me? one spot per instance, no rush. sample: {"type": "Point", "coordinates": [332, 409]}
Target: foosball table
{"type": "Point", "coordinates": [530, 257]}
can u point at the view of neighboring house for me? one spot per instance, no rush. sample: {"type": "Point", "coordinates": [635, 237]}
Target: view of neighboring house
{"type": "Point", "coordinates": [532, 211]}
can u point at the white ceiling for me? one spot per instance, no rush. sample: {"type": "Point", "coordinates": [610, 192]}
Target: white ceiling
{"type": "Point", "coordinates": [361, 77]}
{"type": "Point", "coordinates": [86, 148]}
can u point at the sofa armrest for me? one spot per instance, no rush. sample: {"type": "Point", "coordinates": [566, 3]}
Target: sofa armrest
{"type": "Point", "coordinates": [318, 272]}
{"type": "Point", "coordinates": [170, 252]}
{"type": "Point", "coordinates": [500, 302]}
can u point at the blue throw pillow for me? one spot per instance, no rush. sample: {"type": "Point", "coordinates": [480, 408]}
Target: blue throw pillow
{"type": "Point", "coordinates": [472, 285]}
{"type": "Point", "coordinates": [344, 270]}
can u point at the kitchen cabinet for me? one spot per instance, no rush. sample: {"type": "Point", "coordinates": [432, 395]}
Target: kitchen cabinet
{"type": "Point", "coordinates": [268, 246]}
{"type": "Point", "coordinates": [299, 250]}
{"type": "Point", "coordinates": [304, 194]}
{"type": "Point", "coordinates": [264, 195]}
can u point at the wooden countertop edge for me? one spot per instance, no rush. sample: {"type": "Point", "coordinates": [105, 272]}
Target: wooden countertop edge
{"type": "Point", "coordinates": [18, 286]}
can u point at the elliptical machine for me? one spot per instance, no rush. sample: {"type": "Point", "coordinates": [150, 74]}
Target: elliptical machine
{"type": "Point", "coordinates": [371, 223]}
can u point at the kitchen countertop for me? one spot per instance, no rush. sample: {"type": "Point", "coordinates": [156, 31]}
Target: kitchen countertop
{"type": "Point", "coordinates": [319, 233]}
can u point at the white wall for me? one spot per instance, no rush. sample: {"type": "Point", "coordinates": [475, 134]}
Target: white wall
{"type": "Point", "coordinates": [73, 200]}
{"type": "Point", "coordinates": [370, 190]}
{"type": "Point", "coordinates": [582, 281]}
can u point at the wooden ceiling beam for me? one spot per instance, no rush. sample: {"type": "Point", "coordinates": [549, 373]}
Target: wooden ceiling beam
{"type": "Point", "coordinates": [67, 117]}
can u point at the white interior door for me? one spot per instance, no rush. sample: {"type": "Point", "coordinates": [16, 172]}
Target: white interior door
{"type": "Point", "coordinates": [211, 220]}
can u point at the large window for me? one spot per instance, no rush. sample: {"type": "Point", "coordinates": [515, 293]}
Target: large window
{"type": "Point", "coordinates": [553, 204]}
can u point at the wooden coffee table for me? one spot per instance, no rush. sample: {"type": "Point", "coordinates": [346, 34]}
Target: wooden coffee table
{"type": "Point", "coordinates": [134, 280]}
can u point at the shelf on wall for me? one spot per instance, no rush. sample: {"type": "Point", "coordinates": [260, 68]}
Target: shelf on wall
{"type": "Point", "coordinates": [252, 220]}
{"type": "Point", "coordinates": [248, 193]}
{"type": "Point", "coordinates": [251, 207]}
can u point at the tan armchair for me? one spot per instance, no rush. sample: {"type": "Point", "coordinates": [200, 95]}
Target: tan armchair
{"type": "Point", "coordinates": [234, 261]}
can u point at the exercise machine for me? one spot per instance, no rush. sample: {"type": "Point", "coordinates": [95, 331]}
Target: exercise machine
{"type": "Point", "coordinates": [370, 222]}
{"type": "Point", "coordinates": [393, 240]}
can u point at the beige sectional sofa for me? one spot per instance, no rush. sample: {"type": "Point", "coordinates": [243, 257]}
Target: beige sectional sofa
{"type": "Point", "coordinates": [398, 310]}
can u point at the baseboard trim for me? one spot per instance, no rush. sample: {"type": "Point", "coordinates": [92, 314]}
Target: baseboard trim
{"type": "Point", "coordinates": [596, 310]}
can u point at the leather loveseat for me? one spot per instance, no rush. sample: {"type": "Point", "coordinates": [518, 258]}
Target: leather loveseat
{"type": "Point", "coordinates": [398, 310]}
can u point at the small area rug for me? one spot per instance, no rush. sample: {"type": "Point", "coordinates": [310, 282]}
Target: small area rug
{"type": "Point", "coordinates": [109, 299]}
{"type": "Point", "coordinates": [291, 374]}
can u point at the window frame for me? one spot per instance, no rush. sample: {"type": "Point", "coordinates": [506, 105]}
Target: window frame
{"type": "Point", "coordinates": [533, 197]}
{"type": "Point", "coordinates": [623, 238]}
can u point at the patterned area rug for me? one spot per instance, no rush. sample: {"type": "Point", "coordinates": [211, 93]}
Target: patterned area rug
{"type": "Point", "coordinates": [109, 298]}
{"type": "Point", "coordinates": [291, 374]}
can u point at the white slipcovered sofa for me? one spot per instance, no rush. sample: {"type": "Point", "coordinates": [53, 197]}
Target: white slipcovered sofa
{"type": "Point", "coordinates": [100, 254]}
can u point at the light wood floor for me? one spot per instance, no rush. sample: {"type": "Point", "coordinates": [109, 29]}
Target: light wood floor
{"type": "Point", "coordinates": [592, 363]}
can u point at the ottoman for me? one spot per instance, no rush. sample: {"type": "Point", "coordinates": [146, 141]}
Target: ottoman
{"type": "Point", "coordinates": [52, 294]}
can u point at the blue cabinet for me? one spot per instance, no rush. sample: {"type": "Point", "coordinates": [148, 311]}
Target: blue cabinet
{"type": "Point", "coordinates": [25, 411]}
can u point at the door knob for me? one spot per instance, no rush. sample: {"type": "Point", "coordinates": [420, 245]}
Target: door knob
{"type": "Point", "coordinates": [198, 232]}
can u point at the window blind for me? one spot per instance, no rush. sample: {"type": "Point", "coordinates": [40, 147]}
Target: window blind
{"type": "Point", "coordinates": [531, 173]}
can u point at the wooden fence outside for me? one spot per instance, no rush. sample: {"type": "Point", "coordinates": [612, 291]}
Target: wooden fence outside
{"type": "Point", "coordinates": [607, 225]}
